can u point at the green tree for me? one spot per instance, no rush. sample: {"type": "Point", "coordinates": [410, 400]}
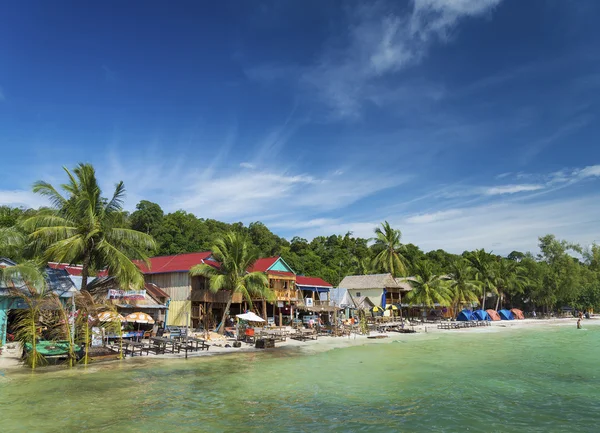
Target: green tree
{"type": "Point", "coordinates": [86, 228]}
{"type": "Point", "coordinates": [147, 217]}
{"type": "Point", "coordinates": [390, 258]}
{"type": "Point", "coordinates": [26, 283]}
{"type": "Point", "coordinates": [483, 266]}
{"type": "Point", "coordinates": [463, 287]}
{"type": "Point", "coordinates": [428, 288]}
{"type": "Point", "coordinates": [236, 256]}
{"type": "Point", "coordinates": [509, 279]}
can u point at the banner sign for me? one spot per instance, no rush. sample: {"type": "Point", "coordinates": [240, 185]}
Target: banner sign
{"type": "Point", "coordinates": [126, 294]}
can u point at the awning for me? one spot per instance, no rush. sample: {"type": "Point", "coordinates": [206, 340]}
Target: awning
{"type": "Point", "coordinates": [319, 289]}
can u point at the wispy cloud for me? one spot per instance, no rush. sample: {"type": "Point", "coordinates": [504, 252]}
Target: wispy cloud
{"type": "Point", "coordinates": [501, 227]}
{"type": "Point", "coordinates": [248, 165]}
{"type": "Point", "coordinates": [535, 147]}
{"type": "Point", "coordinates": [511, 189]}
{"type": "Point", "coordinates": [382, 42]}
{"type": "Point", "coordinates": [22, 198]}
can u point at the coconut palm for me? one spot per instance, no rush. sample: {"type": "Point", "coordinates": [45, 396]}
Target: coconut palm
{"type": "Point", "coordinates": [390, 258]}
{"type": "Point", "coordinates": [428, 289]}
{"type": "Point", "coordinates": [11, 242]}
{"type": "Point", "coordinates": [235, 256]}
{"type": "Point", "coordinates": [89, 307]}
{"type": "Point", "coordinates": [26, 283]}
{"type": "Point", "coordinates": [463, 287]}
{"type": "Point", "coordinates": [88, 229]}
{"type": "Point", "coordinates": [509, 276]}
{"type": "Point", "coordinates": [483, 265]}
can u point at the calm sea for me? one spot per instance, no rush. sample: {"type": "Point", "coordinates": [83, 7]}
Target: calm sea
{"type": "Point", "coordinates": [529, 380]}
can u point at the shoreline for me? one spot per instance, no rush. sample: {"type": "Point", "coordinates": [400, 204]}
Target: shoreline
{"type": "Point", "coordinates": [10, 360]}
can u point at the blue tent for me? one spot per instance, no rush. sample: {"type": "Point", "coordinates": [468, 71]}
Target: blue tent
{"type": "Point", "coordinates": [465, 315]}
{"type": "Point", "coordinates": [506, 315]}
{"type": "Point", "coordinates": [481, 315]}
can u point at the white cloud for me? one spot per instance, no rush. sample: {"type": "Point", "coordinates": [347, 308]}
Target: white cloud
{"type": "Point", "coordinates": [382, 42]}
{"type": "Point", "coordinates": [590, 171]}
{"type": "Point", "coordinates": [501, 227]}
{"type": "Point", "coordinates": [248, 165]}
{"type": "Point", "coordinates": [253, 194]}
{"type": "Point", "coordinates": [511, 189]}
{"type": "Point", "coordinates": [22, 198]}
{"type": "Point", "coordinates": [431, 217]}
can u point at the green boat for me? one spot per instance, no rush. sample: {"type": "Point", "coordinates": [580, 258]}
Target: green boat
{"type": "Point", "coordinates": [53, 348]}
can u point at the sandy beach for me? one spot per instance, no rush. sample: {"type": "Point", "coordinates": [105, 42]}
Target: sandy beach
{"type": "Point", "coordinates": [10, 357]}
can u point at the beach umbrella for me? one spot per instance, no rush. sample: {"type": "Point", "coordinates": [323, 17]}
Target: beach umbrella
{"type": "Point", "coordinates": [139, 317]}
{"type": "Point", "coordinates": [250, 317]}
{"type": "Point", "coordinates": [110, 316]}
{"type": "Point", "coordinates": [392, 308]}
{"type": "Point", "coordinates": [376, 309]}
{"type": "Point", "coordinates": [383, 301]}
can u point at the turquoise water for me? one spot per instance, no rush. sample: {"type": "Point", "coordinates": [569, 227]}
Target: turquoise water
{"type": "Point", "coordinates": [534, 380]}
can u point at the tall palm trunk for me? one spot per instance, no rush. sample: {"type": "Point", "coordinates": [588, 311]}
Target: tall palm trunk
{"type": "Point", "coordinates": [499, 300]}
{"type": "Point", "coordinates": [85, 270]}
{"type": "Point", "coordinates": [225, 314]}
{"type": "Point", "coordinates": [34, 353]}
{"type": "Point", "coordinates": [483, 299]}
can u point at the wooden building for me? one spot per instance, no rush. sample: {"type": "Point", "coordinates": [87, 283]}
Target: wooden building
{"type": "Point", "coordinates": [374, 286]}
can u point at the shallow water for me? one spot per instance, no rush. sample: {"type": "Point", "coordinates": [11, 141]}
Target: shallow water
{"type": "Point", "coordinates": [515, 380]}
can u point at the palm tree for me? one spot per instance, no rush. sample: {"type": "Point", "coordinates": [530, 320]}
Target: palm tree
{"type": "Point", "coordinates": [11, 242]}
{"type": "Point", "coordinates": [462, 286]}
{"type": "Point", "coordinates": [235, 256]}
{"type": "Point", "coordinates": [26, 283]}
{"type": "Point", "coordinates": [86, 228]}
{"type": "Point", "coordinates": [508, 276]}
{"type": "Point", "coordinates": [428, 289]}
{"type": "Point", "coordinates": [390, 257]}
{"type": "Point", "coordinates": [89, 308]}
{"type": "Point", "coordinates": [483, 265]}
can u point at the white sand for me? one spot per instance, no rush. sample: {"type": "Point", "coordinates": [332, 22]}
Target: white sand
{"type": "Point", "coordinates": [11, 353]}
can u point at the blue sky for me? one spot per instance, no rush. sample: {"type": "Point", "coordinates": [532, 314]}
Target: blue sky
{"type": "Point", "coordinates": [465, 123]}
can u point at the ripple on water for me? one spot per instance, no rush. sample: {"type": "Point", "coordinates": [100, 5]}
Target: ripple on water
{"type": "Point", "coordinates": [517, 380]}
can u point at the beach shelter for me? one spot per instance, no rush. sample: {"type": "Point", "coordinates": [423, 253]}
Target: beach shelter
{"type": "Point", "coordinates": [465, 316]}
{"type": "Point", "coordinates": [518, 314]}
{"type": "Point", "coordinates": [506, 315]}
{"type": "Point", "coordinates": [481, 315]}
{"type": "Point", "coordinates": [493, 314]}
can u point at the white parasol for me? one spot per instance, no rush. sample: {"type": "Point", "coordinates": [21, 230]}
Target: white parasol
{"type": "Point", "coordinates": [250, 317]}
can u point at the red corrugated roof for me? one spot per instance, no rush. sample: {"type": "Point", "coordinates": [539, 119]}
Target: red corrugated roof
{"type": "Point", "coordinates": [74, 269]}
{"type": "Point", "coordinates": [311, 281]}
{"type": "Point", "coordinates": [176, 263]}
{"type": "Point", "coordinates": [213, 263]}
{"type": "Point", "coordinates": [261, 265]}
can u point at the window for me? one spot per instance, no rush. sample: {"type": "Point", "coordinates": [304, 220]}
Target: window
{"type": "Point", "coordinates": [357, 294]}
